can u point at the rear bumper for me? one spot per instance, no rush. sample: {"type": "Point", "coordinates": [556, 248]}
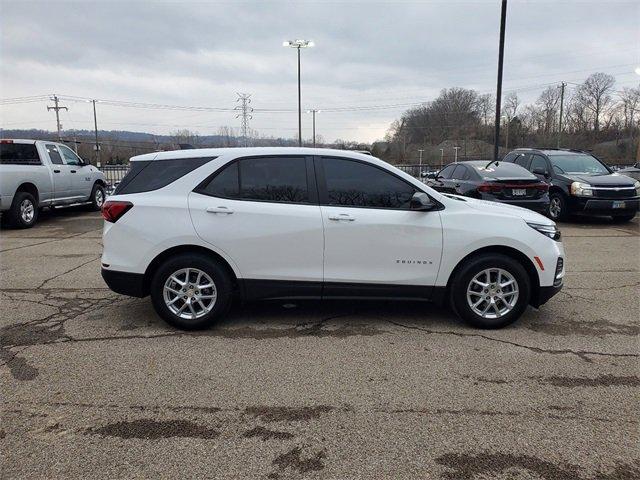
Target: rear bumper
{"type": "Point", "coordinates": [604, 206]}
{"type": "Point", "coordinates": [125, 283]}
{"type": "Point", "coordinates": [540, 205]}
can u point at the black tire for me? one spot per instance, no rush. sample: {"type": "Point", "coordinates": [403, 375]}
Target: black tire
{"type": "Point", "coordinates": [97, 198]}
{"type": "Point", "coordinates": [18, 216]}
{"type": "Point", "coordinates": [472, 267]}
{"type": "Point", "coordinates": [558, 200]}
{"type": "Point", "coordinates": [223, 289]}
{"type": "Point", "coordinates": [623, 218]}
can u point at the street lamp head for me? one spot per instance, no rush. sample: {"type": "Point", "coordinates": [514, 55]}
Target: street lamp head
{"type": "Point", "coordinates": [298, 43]}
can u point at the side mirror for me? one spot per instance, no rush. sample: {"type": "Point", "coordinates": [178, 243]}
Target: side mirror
{"type": "Point", "coordinates": [432, 176]}
{"type": "Point", "coordinates": [540, 171]}
{"type": "Point", "coordinates": [421, 202]}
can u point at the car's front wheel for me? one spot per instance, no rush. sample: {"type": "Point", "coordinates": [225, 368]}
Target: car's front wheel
{"type": "Point", "coordinates": [191, 291]}
{"type": "Point", "coordinates": [97, 197]}
{"type": "Point", "coordinates": [490, 291]}
{"type": "Point", "coordinates": [558, 208]}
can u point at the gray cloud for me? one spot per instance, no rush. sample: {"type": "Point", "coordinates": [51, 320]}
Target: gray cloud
{"type": "Point", "coordinates": [367, 53]}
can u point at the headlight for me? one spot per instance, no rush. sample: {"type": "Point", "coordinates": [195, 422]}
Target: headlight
{"type": "Point", "coordinates": [581, 189]}
{"type": "Point", "coordinates": [637, 187]}
{"type": "Point", "coordinates": [550, 231]}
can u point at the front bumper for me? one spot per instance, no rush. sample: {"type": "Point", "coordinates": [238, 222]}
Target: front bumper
{"type": "Point", "coordinates": [544, 294]}
{"type": "Point", "coordinates": [125, 283]}
{"type": "Point", "coordinates": [604, 206]}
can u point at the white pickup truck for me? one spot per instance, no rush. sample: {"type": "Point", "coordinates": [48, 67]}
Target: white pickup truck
{"type": "Point", "coordinates": [39, 173]}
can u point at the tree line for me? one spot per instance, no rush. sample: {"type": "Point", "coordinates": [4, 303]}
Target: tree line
{"type": "Point", "coordinates": [595, 116]}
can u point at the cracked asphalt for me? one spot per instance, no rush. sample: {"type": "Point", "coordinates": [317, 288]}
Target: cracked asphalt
{"type": "Point", "coordinates": [94, 385]}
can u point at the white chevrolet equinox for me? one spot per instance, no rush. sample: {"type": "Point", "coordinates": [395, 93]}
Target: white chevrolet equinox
{"type": "Point", "coordinates": [195, 228]}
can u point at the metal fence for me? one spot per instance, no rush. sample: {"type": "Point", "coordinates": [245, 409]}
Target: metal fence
{"type": "Point", "coordinates": [114, 173]}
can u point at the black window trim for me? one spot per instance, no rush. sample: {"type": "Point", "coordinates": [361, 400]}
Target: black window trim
{"type": "Point", "coordinates": [122, 185]}
{"type": "Point", "coordinates": [323, 194]}
{"type": "Point", "coordinates": [312, 188]}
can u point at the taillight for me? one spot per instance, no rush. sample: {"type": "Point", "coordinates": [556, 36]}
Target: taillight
{"type": "Point", "coordinates": [112, 210]}
{"type": "Point", "coordinates": [489, 188]}
{"type": "Point", "coordinates": [543, 187]}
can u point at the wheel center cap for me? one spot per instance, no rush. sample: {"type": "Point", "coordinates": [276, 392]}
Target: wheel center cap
{"type": "Point", "coordinates": [190, 293]}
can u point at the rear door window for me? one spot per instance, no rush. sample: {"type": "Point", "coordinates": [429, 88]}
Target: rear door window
{"type": "Point", "coordinates": [523, 160]}
{"type": "Point", "coordinates": [538, 162]}
{"type": "Point", "coordinates": [265, 179]}
{"type": "Point", "coordinates": [447, 171]}
{"type": "Point", "coordinates": [146, 176]}
{"type": "Point", "coordinates": [460, 173]}
{"type": "Point", "coordinates": [19, 154]}
{"type": "Point", "coordinates": [54, 155]}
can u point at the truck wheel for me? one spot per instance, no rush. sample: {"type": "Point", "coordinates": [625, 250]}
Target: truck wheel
{"type": "Point", "coordinates": [490, 291]}
{"type": "Point", "coordinates": [97, 197]}
{"type": "Point", "coordinates": [24, 210]}
{"type": "Point", "coordinates": [191, 291]}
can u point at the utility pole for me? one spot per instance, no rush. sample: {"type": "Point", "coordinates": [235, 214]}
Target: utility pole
{"type": "Point", "coordinates": [420, 161]}
{"type": "Point", "coordinates": [56, 106]}
{"type": "Point", "coordinates": [456, 158]}
{"type": "Point", "coordinates": [245, 113]}
{"type": "Point", "coordinates": [313, 112]}
{"type": "Point", "coordinates": [95, 126]}
{"type": "Point", "coordinates": [562, 87]}
{"type": "Point", "coordinates": [503, 21]}
{"type": "Point", "coordinates": [506, 140]}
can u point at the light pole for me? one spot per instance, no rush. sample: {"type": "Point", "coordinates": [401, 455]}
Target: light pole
{"type": "Point", "coordinates": [503, 21]}
{"type": "Point", "coordinates": [456, 159]}
{"type": "Point", "coordinates": [441, 158]}
{"type": "Point", "coordinates": [298, 44]}
{"type": "Point", "coordinates": [314, 111]}
{"type": "Point", "coordinates": [420, 161]}
{"type": "Point", "coordinates": [95, 126]}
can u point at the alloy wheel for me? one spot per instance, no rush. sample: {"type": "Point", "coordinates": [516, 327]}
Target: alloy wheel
{"type": "Point", "coordinates": [492, 293]}
{"type": "Point", "coordinates": [27, 211]}
{"type": "Point", "coordinates": [555, 207]}
{"type": "Point", "coordinates": [99, 197]}
{"type": "Point", "coordinates": [189, 293]}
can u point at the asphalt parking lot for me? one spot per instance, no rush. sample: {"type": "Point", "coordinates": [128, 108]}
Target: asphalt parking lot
{"type": "Point", "coordinates": [94, 385]}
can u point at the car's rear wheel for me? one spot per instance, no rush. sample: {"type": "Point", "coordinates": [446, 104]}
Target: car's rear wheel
{"type": "Point", "coordinates": [191, 291]}
{"type": "Point", "coordinates": [623, 218]}
{"type": "Point", "coordinates": [24, 210]}
{"type": "Point", "coordinates": [490, 291]}
{"type": "Point", "coordinates": [558, 208]}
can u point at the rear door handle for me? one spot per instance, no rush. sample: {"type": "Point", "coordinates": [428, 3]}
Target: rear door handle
{"type": "Point", "coordinates": [345, 217]}
{"type": "Point", "coordinates": [224, 210]}
{"type": "Point", "coordinates": [56, 171]}
{"type": "Point", "coordinates": [73, 171]}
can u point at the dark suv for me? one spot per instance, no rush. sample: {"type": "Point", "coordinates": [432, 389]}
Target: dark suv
{"type": "Point", "coordinates": [580, 183]}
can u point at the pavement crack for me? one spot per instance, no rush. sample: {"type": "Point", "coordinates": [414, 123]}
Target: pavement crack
{"type": "Point", "coordinates": [582, 354]}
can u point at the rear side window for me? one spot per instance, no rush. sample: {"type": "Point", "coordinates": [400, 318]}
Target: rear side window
{"type": "Point", "coordinates": [268, 179]}
{"type": "Point", "coordinates": [146, 176]}
{"type": "Point", "coordinates": [19, 154]}
{"type": "Point", "coordinates": [54, 155]}
{"type": "Point", "coordinates": [356, 184]}
{"type": "Point", "coordinates": [460, 173]}
{"type": "Point", "coordinates": [447, 171]}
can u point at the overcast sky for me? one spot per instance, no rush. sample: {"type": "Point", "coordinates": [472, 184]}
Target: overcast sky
{"type": "Point", "coordinates": [367, 54]}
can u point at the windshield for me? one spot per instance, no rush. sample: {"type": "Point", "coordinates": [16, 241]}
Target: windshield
{"type": "Point", "coordinates": [578, 163]}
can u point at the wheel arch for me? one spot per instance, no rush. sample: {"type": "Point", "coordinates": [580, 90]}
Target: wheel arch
{"type": "Point", "coordinates": [29, 188]}
{"type": "Point", "coordinates": [177, 250]}
{"type": "Point", "coordinates": [100, 182]}
{"type": "Point", "coordinates": [514, 253]}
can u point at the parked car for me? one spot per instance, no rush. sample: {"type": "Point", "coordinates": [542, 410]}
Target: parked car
{"type": "Point", "coordinates": [494, 181]}
{"type": "Point", "coordinates": [39, 173]}
{"type": "Point", "coordinates": [194, 228]}
{"type": "Point", "coordinates": [633, 171]}
{"type": "Point", "coordinates": [580, 183]}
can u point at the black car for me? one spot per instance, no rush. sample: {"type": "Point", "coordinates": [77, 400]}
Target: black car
{"type": "Point", "coordinates": [495, 181]}
{"type": "Point", "coordinates": [580, 183]}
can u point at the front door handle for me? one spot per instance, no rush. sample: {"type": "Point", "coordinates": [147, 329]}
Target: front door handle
{"type": "Point", "coordinates": [56, 171]}
{"type": "Point", "coordinates": [224, 210]}
{"type": "Point", "coordinates": [345, 217]}
{"type": "Point", "coordinates": [73, 171]}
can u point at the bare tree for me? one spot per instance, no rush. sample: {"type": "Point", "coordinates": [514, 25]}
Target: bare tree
{"type": "Point", "coordinates": [486, 106]}
{"type": "Point", "coordinates": [511, 104]}
{"type": "Point", "coordinates": [548, 103]}
{"type": "Point", "coordinates": [594, 94]}
{"type": "Point", "coordinates": [630, 106]}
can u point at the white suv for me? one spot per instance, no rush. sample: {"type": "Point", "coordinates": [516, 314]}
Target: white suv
{"type": "Point", "coordinates": [195, 228]}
